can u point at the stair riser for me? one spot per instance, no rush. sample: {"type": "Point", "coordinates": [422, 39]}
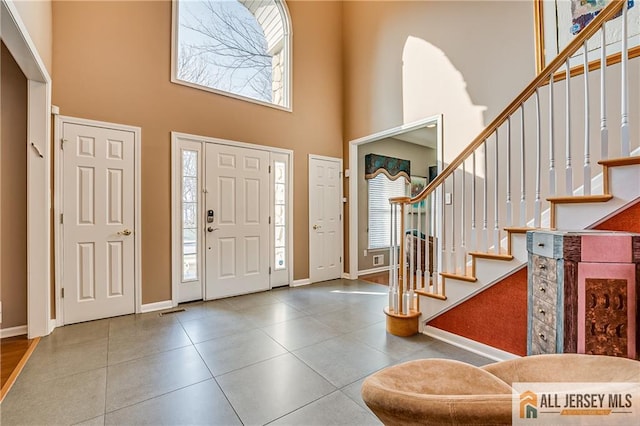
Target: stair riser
{"type": "Point", "coordinates": [624, 185]}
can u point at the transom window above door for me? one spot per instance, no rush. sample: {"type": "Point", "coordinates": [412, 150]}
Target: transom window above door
{"type": "Point", "coordinates": [239, 48]}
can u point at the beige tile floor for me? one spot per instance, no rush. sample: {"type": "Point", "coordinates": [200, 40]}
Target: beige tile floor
{"type": "Point", "coordinates": [288, 357]}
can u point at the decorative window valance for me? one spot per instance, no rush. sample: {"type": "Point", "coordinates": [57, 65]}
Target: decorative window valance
{"type": "Point", "coordinates": [394, 168]}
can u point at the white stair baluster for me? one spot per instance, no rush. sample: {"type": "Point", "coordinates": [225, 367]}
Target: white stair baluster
{"type": "Point", "coordinates": [463, 221]}
{"type": "Point", "coordinates": [552, 165]}
{"type": "Point", "coordinates": [508, 200]}
{"type": "Point", "coordinates": [453, 259]}
{"type": "Point", "coordinates": [568, 171]}
{"type": "Point", "coordinates": [474, 232]}
{"type": "Point", "coordinates": [418, 214]}
{"type": "Point", "coordinates": [624, 127]}
{"type": "Point", "coordinates": [604, 131]}
{"type": "Point", "coordinates": [496, 224]}
{"type": "Point", "coordinates": [537, 213]}
{"type": "Point", "coordinates": [412, 260]}
{"type": "Point", "coordinates": [523, 187]}
{"type": "Point", "coordinates": [587, 145]}
{"type": "Point", "coordinates": [393, 271]}
{"type": "Point", "coordinates": [485, 219]}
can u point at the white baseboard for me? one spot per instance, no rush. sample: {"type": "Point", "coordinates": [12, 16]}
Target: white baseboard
{"type": "Point", "coordinates": [13, 331]}
{"type": "Point", "coordinates": [298, 283]}
{"type": "Point", "coordinates": [157, 306]}
{"type": "Point", "coordinates": [346, 276]}
{"type": "Point", "coordinates": [469, 345]}
{"type": "Point", "coordinates": [373, 270]}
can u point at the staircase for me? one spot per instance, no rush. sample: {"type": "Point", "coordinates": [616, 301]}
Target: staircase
{"type": "Point", "coordinates": [555, 134]}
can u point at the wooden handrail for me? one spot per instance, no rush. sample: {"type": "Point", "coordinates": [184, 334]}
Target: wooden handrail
{"type": "Point", "coordinates": [594, 26]}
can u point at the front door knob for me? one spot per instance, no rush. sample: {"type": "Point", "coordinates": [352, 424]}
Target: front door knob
{"type": "Point", "coordinates": [126, 232]}
{"type": "Point", "coordinates": [316, 227]}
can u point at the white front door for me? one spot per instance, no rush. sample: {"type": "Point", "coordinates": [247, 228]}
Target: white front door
{"type": "Point", "coordinates": [237, 238]}
{"type": "Point", "coordinates": [325, 218]}
{"type": "Point", "coordinates": [98, 222]}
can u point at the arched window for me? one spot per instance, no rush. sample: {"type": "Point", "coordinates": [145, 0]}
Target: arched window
{"type": "Point", "coordinates": [239, 48]}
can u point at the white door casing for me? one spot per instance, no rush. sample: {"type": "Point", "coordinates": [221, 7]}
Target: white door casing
{"type": "Point", "coordinates": [99, 222]}
{"type": "Point", "coordinates": [237, 241]}
{"type": "Point", "coordinates": [325, 218]}
{"type": "Point", "coordinates": [15, 36]}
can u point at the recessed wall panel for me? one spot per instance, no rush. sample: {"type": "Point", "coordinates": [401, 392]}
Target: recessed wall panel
{"type": "Point", "coordinates": [330, 240]}
{"type": "Point", "coordinates": [321, 199]}
{"type": "Point", "coordinates": [252, 201]}
{"type": "Point", "coordinates": [86, 146]}
{"type": "Point", "coordinates": [115, 194]}
{"type": "Point", "coordinates": [227, 257]}
{"type": "Point", "coordinates": [86, 195]}
{"type": "Point", "coordinates": [86, 271]}
{"type": "Point", "coordinates": [114, 149]}
{"type": "Point", "coordinates": [114, 268]}
{"type": "Point", "coordinates": [252, 255]}
{"type": "Point", "coordinates": [251, 163]}
{"type": "Point", "coordinates": [227, 200]}
{"type": "Point", "coordinates": [321, 248]}
{"type": "Point", "coordinates": [227, 161]}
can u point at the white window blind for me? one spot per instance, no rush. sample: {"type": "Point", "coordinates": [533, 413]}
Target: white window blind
{"type": "Point", "coordinates": [381, 188]}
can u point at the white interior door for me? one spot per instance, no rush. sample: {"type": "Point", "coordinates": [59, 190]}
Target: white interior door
{"type": "Point", "coordinates": [98, 222]}
{"type": "Point", "coordinates": [237, 239]}
{"type": "Point", "coordinates": [325, 218]}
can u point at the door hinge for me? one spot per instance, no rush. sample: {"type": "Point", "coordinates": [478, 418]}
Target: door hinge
{"type": "Point", "coordinates": [269, 220]}
{"type": "Point", "coordinates": [62, 292]}
{"type": "Point", "coordinates": [61, 218]}
{"type": "Point", "coordinates": [269, 168]}
{"type": "Point", "coordinates": [62, 141]}
{"type": "Point", "coordinates": [269, 270]}
{"type": "Point", "coordinates": [340, 259]}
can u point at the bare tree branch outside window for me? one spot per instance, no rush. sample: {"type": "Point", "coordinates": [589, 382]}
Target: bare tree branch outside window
{"type": "Point", "coordinates": [222, 46]}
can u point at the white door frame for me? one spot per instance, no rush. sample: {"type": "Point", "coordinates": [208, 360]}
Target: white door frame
{"type": "Point", "coordinates": [176, 138]}
{"type": "Point", "coordinates": [341, 197]}
{"type": "Point", "coordinates": [15, 36]}
{"type": "Point", "coordinates": [353, 179]}
{"type": "Point", "coordinates": [60, 120]}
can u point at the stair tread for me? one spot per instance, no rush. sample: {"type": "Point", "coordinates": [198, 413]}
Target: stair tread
{"type": "Point", "coordinates": [430, 294]}
{"type": "Point", "coordinates": [574, 199]}
{"type": "Point", "coordinates": [624, 161]}
{"type": "Point", "coordinates": [519, 230]}
{"type": "Point", "coordinates": [492, 256]}
{"type": "Point", "coordinates": [459, 277]}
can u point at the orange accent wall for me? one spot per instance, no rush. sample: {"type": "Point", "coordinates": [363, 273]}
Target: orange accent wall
{"type": "Point", "coordinates": [496, 317]}
{"type": "Point", "coordinates": [627, 220]}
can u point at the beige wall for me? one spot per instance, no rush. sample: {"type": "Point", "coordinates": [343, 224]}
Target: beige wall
{"type": "Point", "coordinates": [408, 60]}
{"type": "Point", "coordinates": [421, 158]}
{"type": "Point", "coordinates": [37, 17]}
{"type": "Point", "coordinates": [112, 63]}
{"type": "Point", "coordinates": [13, 193]}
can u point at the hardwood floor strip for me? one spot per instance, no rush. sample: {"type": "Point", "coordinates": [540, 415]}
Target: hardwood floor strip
{"type": "Point", "coordinates": [16, 371]}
